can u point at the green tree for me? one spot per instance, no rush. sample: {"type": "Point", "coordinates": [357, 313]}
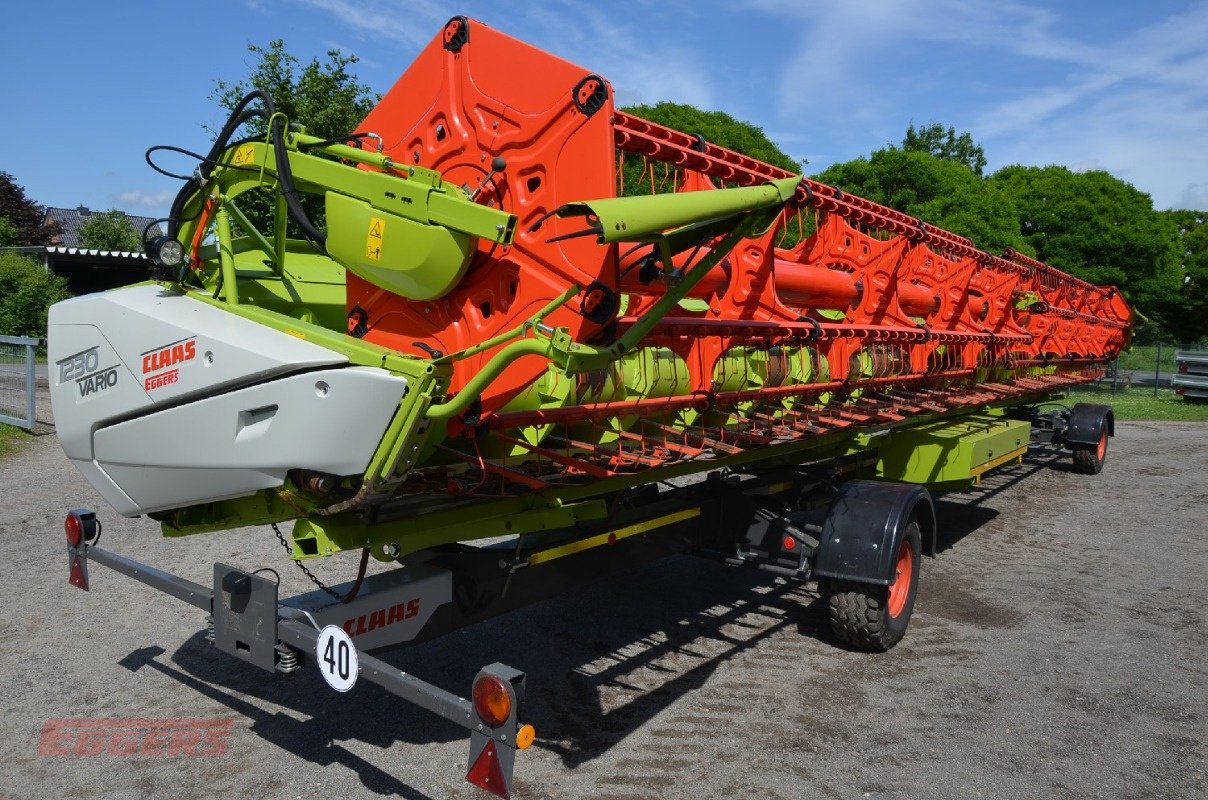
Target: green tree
{"type": "Point", "coordinates": [938, 191]}
{"type": "Point", "coordinates": [8, 233]}
{"type": "Point", "coordinates": [716, 127]}
{"type": "Point", "coordinates": [945, 144]}
{"type": "Point", "coordinates": [110, 230]}
{"type": "Point", "coordinates": [27, 291]}
{"type": "Point", "coordinates": [1185, 313]}
{"type": "Point", "coordinates": [23, 214]}
{"type": "Point", "coordinates": [1096, 226]}
{"type": "Point", "coordinates": [325, 97]}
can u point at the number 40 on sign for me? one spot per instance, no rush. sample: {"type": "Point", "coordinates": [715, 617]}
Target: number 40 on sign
{"type": "Point", "coordinates": [337, 658]}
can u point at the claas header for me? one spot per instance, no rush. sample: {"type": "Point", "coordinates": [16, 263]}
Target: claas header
{"type": "Point", "coordinates": [461, 323]}
{"type": "Point", "coordinates": [524, 335]}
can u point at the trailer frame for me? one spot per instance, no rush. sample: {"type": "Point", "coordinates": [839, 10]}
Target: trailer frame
{"type": "Point", "coordinates": [818, 521]}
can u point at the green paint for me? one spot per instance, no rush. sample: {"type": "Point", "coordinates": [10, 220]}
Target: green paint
{"type": "Point", "coordinates": [263, 507]}
{"type": "Point", "coordinates": [226, 257]}
{"type": "Point", "coordinates": [404, 229]}
{"type": "Point", "coordinates": [645, 218]}
{"type": "Point", "coordinates": [949, 453]}
{"type": "Point", "coordinates": [318, 537]}
{"type": "Point", "coordinates": [1025, 300]}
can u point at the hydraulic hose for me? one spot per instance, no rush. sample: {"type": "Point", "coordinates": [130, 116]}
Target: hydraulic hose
{"type": "Point", "coordinates": [289, 190]}
{"type": "Point", "coordinates": [239, 115]}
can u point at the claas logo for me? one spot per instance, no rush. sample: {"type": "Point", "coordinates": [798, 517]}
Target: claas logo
{"type": "Point", "coordinates": [381, 618]}
{"type": "Point", "coordinates": [167, 355]}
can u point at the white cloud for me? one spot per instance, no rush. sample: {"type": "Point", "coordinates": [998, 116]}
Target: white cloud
{"type": "Point", "coordinates": [618, 47]}
{"type": "Point", "coordinates": [1139, 109]}
{"type": "Point", "coordinates": [1032, 82]}
{"type": "Point", "coordinates": [143, 199]}
{"type": "Point", "coordinates": [614, 45]}
{"type": "Point", "coordinates": [1194, 196]}
{"type": "Point", "coordinates": [1134, 102]}
{"type": "Point", "coordinates": [414, 22]}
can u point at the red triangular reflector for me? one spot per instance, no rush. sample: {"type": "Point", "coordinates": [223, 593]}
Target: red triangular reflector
{"type": "Point", "coordinates": [77, 577]}
{"type": "Point", "coordinates": [487, 774]}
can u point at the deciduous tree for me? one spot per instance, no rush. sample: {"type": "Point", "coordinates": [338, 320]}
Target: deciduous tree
{"type": "Point", "coordinates": [8, 233]}
{"type": "Point", "coordinates": [23, 214]}
{"type": "Point", "coordinates": [325, 97]}
{"type": "Point", "coordinates": [715, 127]}
{"type": "Point", "coordinates": [110, 230]}
{"type": "Point", "coordinates": [27, 292]}
{"type": "Point", "coordinates": [938, 191]}
{"type": "Point", "coordinates": [1185, 313]}
{"type": "Point", "coordinates": [1098, 227]}
{"type": "Point", "coordinates": [944, 143]}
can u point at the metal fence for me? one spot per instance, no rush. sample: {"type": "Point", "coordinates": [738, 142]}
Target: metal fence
{"type": "Point", "coordinates": [1152, 366]}
{"type": "Point", "coordinates": [18, 381]}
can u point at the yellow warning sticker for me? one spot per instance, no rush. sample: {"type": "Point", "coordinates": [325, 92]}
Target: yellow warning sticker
{"type": "Point", "coordinates": [244, 155]}
{"type": "Point", "coordinates": [373, 239]}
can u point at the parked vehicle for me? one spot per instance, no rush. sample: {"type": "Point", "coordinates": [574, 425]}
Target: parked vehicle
{"type": "Point", "coordinates": [1191, 374]}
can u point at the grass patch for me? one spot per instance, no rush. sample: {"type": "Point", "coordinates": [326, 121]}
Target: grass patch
{"type": "Point", "coordinates": [1139, 403]}
{"type": "Point", "coordinates": [11, 438]}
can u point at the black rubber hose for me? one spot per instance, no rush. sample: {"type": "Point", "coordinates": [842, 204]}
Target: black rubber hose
{"type": "Point", "coordinates": [239, 115]}
{"type": "Point", "coordinates": [285, 177]}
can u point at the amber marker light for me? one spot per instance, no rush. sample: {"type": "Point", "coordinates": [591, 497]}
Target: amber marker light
{"type": "Point", "coordinates": [492, 700]}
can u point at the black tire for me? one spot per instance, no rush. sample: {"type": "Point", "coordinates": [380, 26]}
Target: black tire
{"type": "Point", "coordinates": [860, 613]}
{"type": "Point", "coordinates": [1089, 460]}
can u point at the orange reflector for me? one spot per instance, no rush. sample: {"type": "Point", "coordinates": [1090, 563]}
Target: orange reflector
{"type": "Point", "coordinates": [525, 737]}
{"type": "Point", "coordinates": [74, 528]}
{"type": "Point", "coordinates": [789, 543]}
{"type": "Point", "coordinates": [486, 773]}
{"type": "Point", "coordinates": [492, 700]}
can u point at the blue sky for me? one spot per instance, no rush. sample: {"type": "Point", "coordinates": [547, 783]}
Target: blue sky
{"type": "Point", "coordinates": [1120, 86]}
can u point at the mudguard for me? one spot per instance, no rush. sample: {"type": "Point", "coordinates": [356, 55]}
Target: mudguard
{"type": "Point", "coordinates": [864, 528]}
{"type": "Point", "coordinates": [1087, 421]}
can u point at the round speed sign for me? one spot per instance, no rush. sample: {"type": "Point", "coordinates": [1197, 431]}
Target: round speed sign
{"type": "Point", "coordinates": [336, 656]}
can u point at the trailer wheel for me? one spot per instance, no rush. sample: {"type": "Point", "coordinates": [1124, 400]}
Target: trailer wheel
{"type": "Point", "coordinates": [871, 617]}
{"type": "Point", "coordinates": [1089, 460]}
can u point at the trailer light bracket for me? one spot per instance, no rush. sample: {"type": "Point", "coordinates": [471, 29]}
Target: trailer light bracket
{"type": "Point", "coordinates": [245, 616]}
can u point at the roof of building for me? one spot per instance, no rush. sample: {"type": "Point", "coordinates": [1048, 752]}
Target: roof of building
{"type": "Point", "coordinates": [69, 221]}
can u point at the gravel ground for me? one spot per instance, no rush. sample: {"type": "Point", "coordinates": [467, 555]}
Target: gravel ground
{"type": "Point", "coordinates": [1057, 650]}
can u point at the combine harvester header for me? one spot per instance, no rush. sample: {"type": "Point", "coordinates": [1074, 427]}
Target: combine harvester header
{"type": "Point", "coordinates": [458, 327]}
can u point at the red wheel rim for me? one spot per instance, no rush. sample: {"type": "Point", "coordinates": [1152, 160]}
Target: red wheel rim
{"type": "Point", "coordinates": [1102, 445]}
{"type": "Point", "coordinates": [903, 572]}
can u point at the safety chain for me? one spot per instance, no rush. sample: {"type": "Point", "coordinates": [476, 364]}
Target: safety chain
{"type": "Point", "coordinates": [301, 566]}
